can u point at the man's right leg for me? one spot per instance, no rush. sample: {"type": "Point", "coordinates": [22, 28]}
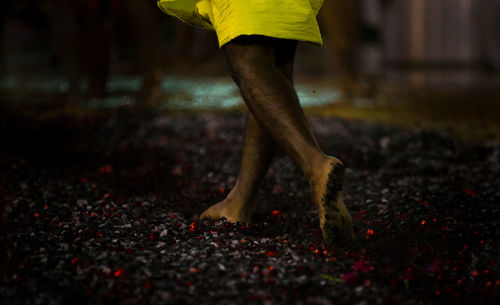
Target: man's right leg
{"type": "Point", "coordinates": [258, 151]}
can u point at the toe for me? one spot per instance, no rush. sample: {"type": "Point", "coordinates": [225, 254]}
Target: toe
{"type": "Point", "coordinates": [210, 213]}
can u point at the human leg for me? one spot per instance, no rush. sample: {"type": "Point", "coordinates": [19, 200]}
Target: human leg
{"type": "Point", "coordinates": [258, 150]}
{"type": "Point", "coordinates": [272, 99]}
{"type": "Point", "coordinates": [273, 102]}
{"type": "Point", "coordinates": [95, 48]}
{"type": "Point", "coordinates": [340, 21]}
{"type": "Point", "coordinates": [140, 15]}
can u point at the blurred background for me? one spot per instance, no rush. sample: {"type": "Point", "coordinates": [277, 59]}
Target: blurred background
{"type": "Point", "coordinates": [430, 63]}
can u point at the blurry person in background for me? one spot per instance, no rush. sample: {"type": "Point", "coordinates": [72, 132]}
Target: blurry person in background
{"type": "Point", "coordinates": [340, 24]}
{"type": "Point", "coordinates": [4, 6]}
{"type": "Point", "coordinates": [142, 27]}
{"type": "Point", "coordinates": [81, 43]}
{"type": "Point", "coordinates": [81, 31]}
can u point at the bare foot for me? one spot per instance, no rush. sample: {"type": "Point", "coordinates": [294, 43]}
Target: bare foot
{"type": "Point", "coordinates": [233, 210]}
{"type": "Point", "coordinates": [334, 218]}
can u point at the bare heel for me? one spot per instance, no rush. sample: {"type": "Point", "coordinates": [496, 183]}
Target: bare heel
{"type": "Point", "coordinates": [336, 225]}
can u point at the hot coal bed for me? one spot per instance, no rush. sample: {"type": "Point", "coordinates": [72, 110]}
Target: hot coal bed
{"type": "Point", "coordinates": [103, 210]}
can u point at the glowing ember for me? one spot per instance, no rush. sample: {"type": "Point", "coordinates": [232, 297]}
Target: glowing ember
{"type": "Point", "coordinates": [469, 192]}
{"type": "Point", "coordinates": [149, 251]}
{"type": "Point", "coordinates": [360, 213]}
{"type": "Point", "coordinates": [106, 169]}
{"type": "Point", "coordinates": [118, 272]}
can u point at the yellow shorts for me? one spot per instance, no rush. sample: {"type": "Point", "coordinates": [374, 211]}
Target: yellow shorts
{"type": "Point", "coordinates": [287, 19]}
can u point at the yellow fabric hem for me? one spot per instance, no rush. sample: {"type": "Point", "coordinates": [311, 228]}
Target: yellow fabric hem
{"type": "Point", "coordinates": [230, 36]}
{"type": "Point", "coordinates": [284, 19]}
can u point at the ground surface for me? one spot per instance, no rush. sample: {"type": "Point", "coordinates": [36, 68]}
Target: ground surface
{"type": "Point", "coordinates": [103, 210]}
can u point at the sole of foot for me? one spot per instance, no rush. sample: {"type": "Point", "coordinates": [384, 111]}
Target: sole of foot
{"type": "Point", "coordinates": [335, 220]}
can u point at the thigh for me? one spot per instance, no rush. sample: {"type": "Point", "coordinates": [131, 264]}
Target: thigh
{"type": "Point", "coordinates": [256, 50]}
{"type": "Point", "coordinates": [250, 54]}
{"type": "Point", "coordinates": [250, 47]}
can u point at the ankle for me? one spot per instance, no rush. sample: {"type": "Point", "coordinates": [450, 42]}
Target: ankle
{"type": "Point", "coordinates": [239, 198]}
{"type": "Point", "coordinates": [322, 169]}
{"type": "Point", "coordinates": [316, 168]}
